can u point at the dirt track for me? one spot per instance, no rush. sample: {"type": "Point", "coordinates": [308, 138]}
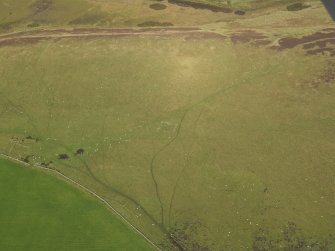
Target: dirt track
{"type": "Point", "coordinates": [317, 43]}
{"type": "Point", "coordinates": [38, 35]}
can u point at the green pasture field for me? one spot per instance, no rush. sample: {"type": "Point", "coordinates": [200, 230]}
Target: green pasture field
{"type": "Point", "coordinates": [41, 212]}
{"type": "Point", "coordinates": [199, 143]}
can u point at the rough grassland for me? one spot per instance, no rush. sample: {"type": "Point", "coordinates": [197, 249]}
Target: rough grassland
{"type": "Point", "coordinates": [41, 212]}
{"type": "Point", "coordinates": [27, 14]}
{"type": "Point", "coordinates": [202, 140]}
{"type": "Point", "coordinates": [214, 143]}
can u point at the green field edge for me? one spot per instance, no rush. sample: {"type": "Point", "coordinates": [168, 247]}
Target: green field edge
{"type": "Point", "coordinates": [57, 174]}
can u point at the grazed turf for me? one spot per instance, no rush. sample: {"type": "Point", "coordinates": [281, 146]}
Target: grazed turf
{"type": "Point", "coordinates": [217, 135]}
{"type": "Point", "coordinates": [41, 212]}
{"type": "Point", "coordinates": [213, 142]}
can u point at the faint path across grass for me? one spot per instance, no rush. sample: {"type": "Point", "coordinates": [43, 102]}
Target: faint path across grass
{"type": "Point", "coordinates": [37, 35]}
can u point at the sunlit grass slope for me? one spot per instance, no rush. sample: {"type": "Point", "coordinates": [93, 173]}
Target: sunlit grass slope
{"type": "Point", "coordinates": [211, 142]}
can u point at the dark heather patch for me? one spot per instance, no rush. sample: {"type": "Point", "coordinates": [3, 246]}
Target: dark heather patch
{"type": "Point", "coordinates": [290, 42]}
{"type": "Point", "coordinates": [26, 159]}
{"type": "Point", "coordinates": [89, 19]}
{"type": "Point", "coordinates": [323, 51]}
{"type": "Point", "coordinates": [41, 6]}
{"type": "Point", "coordinates": [292, 239]}
{"type": "Point", "coordinates": [239, 12]}
{"type": "Point", "coordinates": [184, 234]}
{"type": "Point", "coordinates": [297, 7]}
{"type": "Point", "coordinates": [246, 36]}
{"type": "Point", "coordinates": [37, 7]}
{"type": "Point", "coordinates": [33, 25]}
{"type": "Point", "coordinates": [80, 151]}
{"type": "Point", "coordinates": [320, 43]}
{"type": "Point", "coordinates": [5, 26]}
{"type": "Point", "coordinates": [22, 41]}
{"type": "Point", "coordinates": [201, 6]}
{"type": "Point", "coordinates": [328, 75]}
{"type": "Point", "coordinates": [29, 137]}
{"type": "Point", "coordinates": [9, 25]}
{"type": "Point", "coordinates": [154, 23]}
{"type": "Point", "coordinates": [157, 6]}
{"type": "Point", "coordinates": [63, 156]}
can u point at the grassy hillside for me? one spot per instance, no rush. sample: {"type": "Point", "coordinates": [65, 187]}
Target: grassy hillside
{"type": "Point", "coordinates": [41, 212]}
{"type": "Point", "coordinates": [202, 139]}
{"type": "Point", "coordinates": [212, 130]}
